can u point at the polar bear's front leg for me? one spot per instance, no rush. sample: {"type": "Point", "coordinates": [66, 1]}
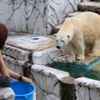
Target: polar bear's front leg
{"type": "Point", "coordinates": [80, 48]}
{"type": "Point", "coordinates": [71, 51]}
{"type": "Point", "coordinates": [80, 57]}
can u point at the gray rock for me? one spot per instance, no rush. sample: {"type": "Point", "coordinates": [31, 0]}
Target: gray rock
{"type": "Point", "coordinates": [35, 16]}
{"type": "Point", "coordinates": [90, 6]}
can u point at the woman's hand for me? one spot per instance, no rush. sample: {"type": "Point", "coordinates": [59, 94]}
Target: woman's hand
{"type": "Point", "coordinates": [17, 75]}
{"type": "Point", "coordinates": [27, 80]}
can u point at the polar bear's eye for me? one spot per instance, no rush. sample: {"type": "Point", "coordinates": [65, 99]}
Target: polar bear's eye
{"type": "Point", "coordinates": [62, 40]}
{"type": "Point", "coordinates": [68, 36]}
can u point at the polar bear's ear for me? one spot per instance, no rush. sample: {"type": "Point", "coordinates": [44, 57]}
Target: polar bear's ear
{"type": "Point", "coordinates": [68, 36]}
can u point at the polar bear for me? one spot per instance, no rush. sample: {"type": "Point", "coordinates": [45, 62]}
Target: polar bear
{"type": "Point", "coordinates": [80, 34]}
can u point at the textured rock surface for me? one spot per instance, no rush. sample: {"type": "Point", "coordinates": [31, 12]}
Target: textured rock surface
{"type": "Point", "coordinates": [29, 42]}
{"type": "Point", "coordinates": [14, 64]}
{"type": "Point", "coordinates": [87, 89]}
{"type": "Point", "coordinates": [47, 82]}
{"type": "Point", "coordinates": [19, 48]}
{"type": "Point", "coordinates": [90, 6]}
{"type": "Point", "coordinates": [17, 53]}
{"type": "Point", "coordinates": [47, 56]}
{"type": "Point", "coordinates": [35, 16]}
{"type": "Point", "coordinates": [87, 61]}
{"type": "Point", "coordinates": [67, 88]}
{"type": "Point", "coordinates": [71, 14]}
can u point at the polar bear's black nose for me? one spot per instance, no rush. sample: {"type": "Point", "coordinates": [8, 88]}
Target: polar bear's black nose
{"type": "Point", "coordinates": [58, 47]}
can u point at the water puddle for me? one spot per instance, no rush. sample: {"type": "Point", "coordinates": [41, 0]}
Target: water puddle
{"type": "Point", "coordinates": [76, 72]}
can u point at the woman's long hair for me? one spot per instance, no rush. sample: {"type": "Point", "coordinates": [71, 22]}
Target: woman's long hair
{"type": "Point", "coordinates": [3, 35]}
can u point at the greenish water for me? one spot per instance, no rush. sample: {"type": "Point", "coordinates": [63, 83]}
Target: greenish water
{"type": "Point", "coordinates": [77, 72]}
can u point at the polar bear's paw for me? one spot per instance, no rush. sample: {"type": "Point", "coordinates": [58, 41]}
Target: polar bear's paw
{"type": "Point", "coordinates": [91, 54]}
{"type": "Point", "coordinates": [79, 58]}
{"type": "Point", "coordinates": [70, 59]}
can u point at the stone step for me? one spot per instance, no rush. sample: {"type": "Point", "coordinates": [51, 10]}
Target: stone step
{"type": "Point", "coordinates": [95, 0]}
{"type": "Point", "coordinates": [71, 14]}
{"type": "Point", "coordinates": [30, 42]}
{"type": "Point", "coordinates": [57, 27]}
{"type": "Point", "coordinates": [89, 6]}
{"type": "Point", "coordinates": [83, 6]}
{"type": "Point", "coordinates": [88, 62]}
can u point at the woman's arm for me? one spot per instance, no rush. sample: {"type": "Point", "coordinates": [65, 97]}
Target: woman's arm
{"type": "Point", "coordinates": [9, 73]}
{"type": "Point", "coordinates": [17, 75]}
{"type": "Point", "coordinates": [3, 69]}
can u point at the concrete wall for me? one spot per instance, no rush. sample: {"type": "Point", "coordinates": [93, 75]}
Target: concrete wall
{"type": "Point", "coordinates": [35, 16]}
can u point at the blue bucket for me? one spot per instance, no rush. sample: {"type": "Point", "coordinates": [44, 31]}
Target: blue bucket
{"type": "Point", "coordinates": [23, 91]}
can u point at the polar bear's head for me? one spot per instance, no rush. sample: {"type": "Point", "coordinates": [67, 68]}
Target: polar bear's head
{"type": "Point", "coordinates": [62, 39]}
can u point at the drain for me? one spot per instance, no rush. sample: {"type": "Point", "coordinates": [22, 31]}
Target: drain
{"type": "Point", "coordinates": [35, 38]}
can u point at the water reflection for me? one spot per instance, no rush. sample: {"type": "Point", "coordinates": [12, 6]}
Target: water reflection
{"type": "Point", "coordinates": [76, 72]}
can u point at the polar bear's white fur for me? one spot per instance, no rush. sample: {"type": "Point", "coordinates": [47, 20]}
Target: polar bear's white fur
{"type": "Point", "coordinates": [80, 34]}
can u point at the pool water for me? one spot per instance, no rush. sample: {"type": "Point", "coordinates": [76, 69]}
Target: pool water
{"type": "Point", "coordinates": [76, 72]}
{"type": "Point", "coordinates": [97, 67]}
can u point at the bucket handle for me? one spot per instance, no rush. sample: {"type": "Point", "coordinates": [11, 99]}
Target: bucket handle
{"type": "Point", "coordinates": [26, 97]}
